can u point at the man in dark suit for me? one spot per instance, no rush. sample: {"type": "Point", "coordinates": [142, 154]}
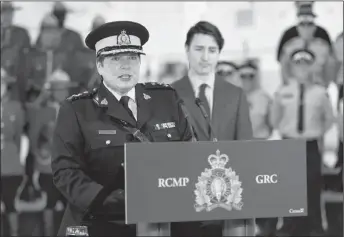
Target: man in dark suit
{"type": "Point", "coordinates": [92, 128]}
{"type": "Point", "coordinates": [225, 104]}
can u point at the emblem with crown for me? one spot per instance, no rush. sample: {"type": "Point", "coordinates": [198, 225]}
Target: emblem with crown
{"type": "Point", "coordinates": [218, 186]}
{"type": "Point", "coordinates": [123, 38]}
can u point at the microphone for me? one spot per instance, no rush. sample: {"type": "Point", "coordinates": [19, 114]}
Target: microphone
{"type": "Point", "coordinates": [186, 114]}
{"type": "Point", "coordinates": [200, 105]}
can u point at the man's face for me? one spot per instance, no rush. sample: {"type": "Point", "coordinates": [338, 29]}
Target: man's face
{"type": "Point", "coordinates": [6, 18]}
{"type": "Point", "coordinates": [120, 71]}
{"type": "Point", "coordinates": [228, 73]}
{"type": "Point", "coordinates": [50, 37]}
{"type": "Point", "coordinates": [203, 54]}
{"type": "Point", "coordinates": [301, 70]}
{"type": "Point", "coordinates": [248, 78]}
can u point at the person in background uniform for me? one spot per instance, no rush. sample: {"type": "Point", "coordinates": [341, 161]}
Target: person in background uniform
{"type": "Point", "coordinates": [302, 109]}
{"type": "Point", "coordinates": [46, 58]}
{"type": "Point", "coordinates": [307, 34]}
{"type": "Point", "coordinates": [229, 72]}
{"type": "Point", "coordinates": [42, 119]}
{"type": "Point", "coordinates": [92, 128]}
{"type": "Point", "coordinates": [338, 50]}
{"type": "Point", "coordinates": [15, 43]}
{"type": "Point", "coordinates": [12, 123]}
{"type": "Point", "coordinates": [230, 121]}
{"type": "Point", "coordinates": [259, 103]}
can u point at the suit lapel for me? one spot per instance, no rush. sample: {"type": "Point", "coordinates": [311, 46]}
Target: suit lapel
{"type": "Point", "coordinates": [144, 107]}
{"type": "Point", "coordinates": [113, 107]}
{"type": "Point", "coordinates": [187, 93]}
{"type": "Point", "coordinates": [221, 113]}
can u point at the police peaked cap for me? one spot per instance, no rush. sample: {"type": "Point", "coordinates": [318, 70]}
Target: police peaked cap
{"type": "Point", "coordinates": [117, 37]}
{"type": "Point", "coordinates": [228, 63]}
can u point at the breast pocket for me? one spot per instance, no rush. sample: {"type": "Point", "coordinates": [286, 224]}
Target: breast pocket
{"type": "Point", "coordinates": [165, 135]}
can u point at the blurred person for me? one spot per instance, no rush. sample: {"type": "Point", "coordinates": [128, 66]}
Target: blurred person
{"type": "Point", "coordinates": [46, 57]}
{"type": "Point", "coordinates": [338, 50]}
{"type": "Point", "coordinates": [41, 118]}
{"type": "Point", "coordinates": [95, 196]}
{"type": "Point", "coordinates": [259, 103]}
{"type": "Point", "coordinates": [12, 123]}
{"type": "Point", "coordinates": [15, 42]}
{"type": "Point", "coordinates": [229, 72]}
{"type": "Point", "coordinates": [302, 110]}
{"type": "Point", "coordinates": [230, 121]}
{"type": "Point", "coordinates": [97, 21]}
{"type": "Point", "coordinates": [307, 34]}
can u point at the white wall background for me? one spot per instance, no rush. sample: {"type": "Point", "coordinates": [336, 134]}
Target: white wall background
{"type": "Point", "coordinates": [168, 23]}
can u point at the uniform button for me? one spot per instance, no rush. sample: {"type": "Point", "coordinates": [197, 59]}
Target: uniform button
{"type": "Point", "coordinates": [107, 142]}
{"type": "Point", "coordinates": [91, 217]}
{"type": "Point", "coordinates": [122, 164]}
{"type": "Point", "coordinates": [169, 135]}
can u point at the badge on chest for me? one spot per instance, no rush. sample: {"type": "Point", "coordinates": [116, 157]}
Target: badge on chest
{"type": "Point", "coordinates": [161, 126]}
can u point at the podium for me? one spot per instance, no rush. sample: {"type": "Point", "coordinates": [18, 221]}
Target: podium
{"type": "Point", "coordinates": [235, 181]}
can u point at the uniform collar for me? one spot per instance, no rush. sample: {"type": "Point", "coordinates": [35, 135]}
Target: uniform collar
{"type": "Point", "coordinates": [131, 94]}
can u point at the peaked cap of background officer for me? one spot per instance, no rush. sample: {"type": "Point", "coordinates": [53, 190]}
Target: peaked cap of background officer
{"type": "Point", "coordinates": [118, 37]}
{"type": "Point", "coordinates": [302, 55]}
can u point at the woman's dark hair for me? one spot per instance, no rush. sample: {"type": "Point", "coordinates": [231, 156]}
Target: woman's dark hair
{"type": "Point", "coordinates": [204, 27]}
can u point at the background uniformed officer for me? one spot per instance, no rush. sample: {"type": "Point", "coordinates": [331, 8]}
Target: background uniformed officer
{"type": "Point", "coordinates": [12, 124]}
{"type": "Point", "coordinates": [228, 71]}
{"type": "Point", "coordinates": [259, 101]}
{"type": "Point", "coordinates": [92, 127]}
{"type": "Point", "coordinates": [302, 109]}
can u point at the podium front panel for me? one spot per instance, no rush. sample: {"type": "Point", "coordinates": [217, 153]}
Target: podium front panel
{"type": "Point", "coordinates": [186, 181]}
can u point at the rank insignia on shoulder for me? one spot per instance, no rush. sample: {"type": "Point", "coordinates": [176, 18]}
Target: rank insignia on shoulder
{"type": "Point", "coordinates": [146, 97]}
{"type": "Point", "coordinates": [83, 95]}
{"type": "Point", "coordinates": [104, 102]}
{"type": "Point", "coordinates": [155, 85]}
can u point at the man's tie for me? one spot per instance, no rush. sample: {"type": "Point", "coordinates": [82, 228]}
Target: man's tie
{"type": "Point", "coordinates": [204, 99]}
{"type": "Point", "coordinates": [125, 102]}
{"type": "Point", "coordinates": [301, 109]}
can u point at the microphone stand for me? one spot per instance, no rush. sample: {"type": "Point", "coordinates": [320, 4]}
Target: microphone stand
{"type": "Point", "coordinates": [200, 105]}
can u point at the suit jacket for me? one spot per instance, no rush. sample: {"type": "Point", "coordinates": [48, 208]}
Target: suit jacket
{"type": "Point", "coordinates": [88, 147]}
{"type": "Point", "coordinates": [230, 116]}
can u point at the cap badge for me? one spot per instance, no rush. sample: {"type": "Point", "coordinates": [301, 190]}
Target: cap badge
{"type": "Point", "coordinates": [123, 38]}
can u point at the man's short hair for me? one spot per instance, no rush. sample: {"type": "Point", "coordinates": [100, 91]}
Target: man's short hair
{"type": "Point", "coordinates": [204, 27]}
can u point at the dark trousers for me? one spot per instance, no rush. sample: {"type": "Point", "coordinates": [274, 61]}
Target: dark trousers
{"type": "Point", "coordinates": [96, 229]}
{"type": "Point", "coordinates": [312, 222]}
{"type": "Point", "coordinates": [196, 228]}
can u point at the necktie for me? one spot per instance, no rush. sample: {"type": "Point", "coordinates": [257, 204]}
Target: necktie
{"type": "Point", "coordinates": [301, 109]}
{"type": "Point", "coordinates": [125, 102]}
{"type": "Point", "coordinates": [204, 99]}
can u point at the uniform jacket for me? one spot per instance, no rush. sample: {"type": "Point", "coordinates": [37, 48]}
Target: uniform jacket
{"type": "Point", "coordinates": [230, 116]}
{"type": "Point", "coordinates": [12, 123]}
{"type": "Point", "coordinates": [88, 151]}
{"type": "Point", "coordinates": [41, 121]}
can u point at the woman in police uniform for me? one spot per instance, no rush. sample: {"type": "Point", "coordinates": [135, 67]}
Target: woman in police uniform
{"type": "Point", "coordinates": [302, 109]}
{"type": "Point", "coordinates": [91, 129]}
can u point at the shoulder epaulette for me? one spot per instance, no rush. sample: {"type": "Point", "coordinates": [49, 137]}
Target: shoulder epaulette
{"type": "Point", "coordinates": [83, 95]}
{"type": "Point", "coordinates": [155, 85]}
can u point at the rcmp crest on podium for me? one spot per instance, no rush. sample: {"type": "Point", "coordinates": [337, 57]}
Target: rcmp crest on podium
{"type": "Point", "coordinates": [218, 186]}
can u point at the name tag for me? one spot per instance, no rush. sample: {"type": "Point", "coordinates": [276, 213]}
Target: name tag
{"type": "Point", "coordinates": [165, 125]}
{"type": "Point", "coordinates": [107, 132]}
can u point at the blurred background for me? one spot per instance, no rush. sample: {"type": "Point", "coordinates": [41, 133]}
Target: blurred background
{"type": "Point", "coordinates": [44, 60]}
